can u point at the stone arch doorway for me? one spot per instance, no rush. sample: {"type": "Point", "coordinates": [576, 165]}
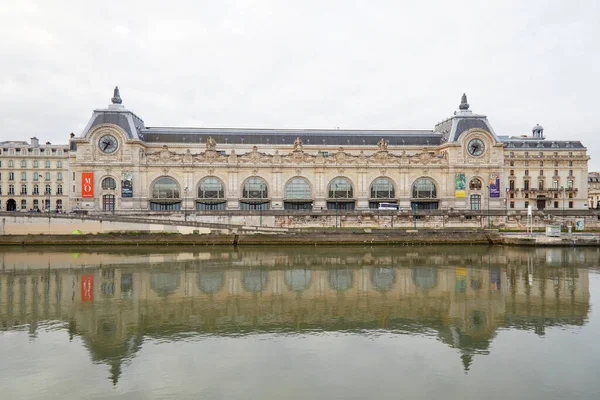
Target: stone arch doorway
{"type": "Point", "coordinates": [11, 205]}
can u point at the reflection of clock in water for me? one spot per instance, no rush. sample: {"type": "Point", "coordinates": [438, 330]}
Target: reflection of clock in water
{"type": "Point", "coordinates": [108, 144]}
{"type": "Point", "coordinates": [476, 147]}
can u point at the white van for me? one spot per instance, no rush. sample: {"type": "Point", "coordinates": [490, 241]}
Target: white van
{"type": "Point", "coordinates": [388, 206]}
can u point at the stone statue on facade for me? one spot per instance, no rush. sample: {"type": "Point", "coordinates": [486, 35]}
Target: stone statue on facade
{"type": "Point", "coordinates": [210, 143]}
{"type": "Point", "coordinates": [382, 144]}
{"type": "Point", "coordinates": [298, 144]}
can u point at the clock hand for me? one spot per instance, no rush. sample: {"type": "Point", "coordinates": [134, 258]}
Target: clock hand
{"type": "Point", "coordinates": [106, 144]}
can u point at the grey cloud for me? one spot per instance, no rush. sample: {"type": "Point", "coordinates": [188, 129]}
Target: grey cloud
{"type": "Point", "coordinates": [365, 64]}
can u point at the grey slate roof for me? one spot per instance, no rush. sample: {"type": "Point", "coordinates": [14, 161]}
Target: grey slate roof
{"type": "Point", "coordinates": [326, 137]}
{"type": "Point", "coordinates": [527, 144]}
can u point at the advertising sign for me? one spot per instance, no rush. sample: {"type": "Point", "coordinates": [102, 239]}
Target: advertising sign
{"type": "Point", "coordinates": [460, 185]}
{"type": "Point", "coordinates": [87, 287]}
{"type": "Point", "coordinates": [126, 188]}
{"type": "Point", "coordinates": [494, 185]}
{"type": "Point", "coordinates": [87, 184]}
{"type": "Point", "coordinates": [579, 224]}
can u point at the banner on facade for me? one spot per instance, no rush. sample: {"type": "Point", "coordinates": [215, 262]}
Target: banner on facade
{"type": "Point", "coordinates": [126, 188]}
{"type": "Point", "coordinates": [87, 287]}
{"type": "Point", "coordinates": [460, 185]}
{"type": "Point", "coordinates": [87, 184]}
{"type": "Point", "coordinates": [494, 185]}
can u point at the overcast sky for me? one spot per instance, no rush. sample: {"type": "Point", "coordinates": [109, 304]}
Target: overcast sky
{"type": "Point", "coordinates": [302, 64]}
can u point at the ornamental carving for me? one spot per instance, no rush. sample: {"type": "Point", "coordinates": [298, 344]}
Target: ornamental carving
{"type": "Point", "coordinates": [298, 145]}
{"type": "Point", "coordinates": [211, 144]}
{"type": "Point", "coordinates": [382, 144]}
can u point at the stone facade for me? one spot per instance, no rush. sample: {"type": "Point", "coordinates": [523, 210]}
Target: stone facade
{"type": "Point", "coordinates": [594, 190]}
{"type": "Point", "coordinates": [33, 176]}
{"type": "Point", "coordinates": [460, 165]}
{"type": "Point", "coordinates": [117, 164]}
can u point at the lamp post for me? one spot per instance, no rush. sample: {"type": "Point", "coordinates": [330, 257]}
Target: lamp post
{"type": "Point", "coordinates": [48, 204]}
{"type": "Point", "coordinates": [185, 196]}
{"type": "Point", "coordinates": [337, 205]}
{"type": "Point", "coordinates": [261, 202]}
{"type": "Point", "coordinates": [563, 205]}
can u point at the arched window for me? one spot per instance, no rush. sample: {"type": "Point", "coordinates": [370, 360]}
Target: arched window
{"type": "Point", "coordinates": [424, 195]}
{"type": "Point", "coordinates": [475, 184]}
{"type": "Point", "coordinates": [382, 188]}
{"type": "Point", "coordinates": [298, 194]}
{"type": "Point", "coordinates": [211, 188]}
{"type": "Point", "coordinates": [255, 188]}
{"type": "Point", "coordinates": [211, 195]}
{"type": "Point", "coordinates": [340, 188]}
{"type": "Point", "coordinates": [340, 194]}
{"type": "Point", "coordinates": [165, 188]}
{"type": "Point", "coordinates": [109, 184]}
{"type": "Point", "coordinates": [255, 195]}
{"type": "Point", "coordinates": [424, 188]}
{"type": "Point", "coordinates": [167, 191]}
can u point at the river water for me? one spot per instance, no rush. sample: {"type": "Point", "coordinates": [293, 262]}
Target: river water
{"type": "Point", "coordinates": [297, 323]}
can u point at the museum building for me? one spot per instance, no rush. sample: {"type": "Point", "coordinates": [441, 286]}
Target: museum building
{"type": "Point", "coordinates": [118, 164]}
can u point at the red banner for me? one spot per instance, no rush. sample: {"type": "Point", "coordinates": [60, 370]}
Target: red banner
{"type": "Point", "coordinates": [87, 287]}
{"type": "Point", "coordinates": [87, 184]}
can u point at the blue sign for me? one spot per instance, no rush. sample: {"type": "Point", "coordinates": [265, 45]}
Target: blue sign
{"type": "Point", "coordinates": [126, 188]}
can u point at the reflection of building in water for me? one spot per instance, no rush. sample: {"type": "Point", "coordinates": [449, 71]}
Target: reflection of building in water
{"type": "Point", "coordinates": [113, 308]}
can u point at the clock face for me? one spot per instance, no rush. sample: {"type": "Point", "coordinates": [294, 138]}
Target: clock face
{"type": "Point", "coordinates": [108, 144]}
{"type": "Point", "coordinates": [476, 147]}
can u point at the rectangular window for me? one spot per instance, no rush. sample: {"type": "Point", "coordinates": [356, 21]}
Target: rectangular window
{"type": "Point", "coordinates": [12, 152]}
{"type": "Point", "coordinates": [541, 185]}
{"type": "Point", "coordinates": [555, 172]}
{"type": "Point", "coordinates": [23, 189]}
{"type": "Point", "coordinates": [36, 205]}
{"type": "Point", "coordinates": [512, 204]}
{"type": "Point", "coordinates": [570, 163]}
{"type": "Point", "coordinates": [556, 204]}
{"type": "Point", "coordinates": [48, 189]}
{"type": "Point", "coordinates": [59, 176]}
{"type": "Point", "coordinates": [11, 176]}
{"type": "Point", "coordinates": [11, 164]}
{"type": "Point", "coordinates": [23, 176]}
{"type": "Point", "coordinates": [59, 152]}
{"type": "Point", "coordinates": [47, 164]}
{"type": "Point", "coordinates": [11, 189]}
{"type": "Point", "coordinates": [59, 164]}
{"type": "Point", "coordinates": [47, 176]}
{"type": "Point", "coordinates": [35, 176]}
{"type": "Point", "coordinates": [526, 204]}
{"type": "Point", "coordinates": [23, 204]}
{"type": "Point", "coordinates": [570, 172]}
{"type": "Point", "coordinates": [541, 172]}
{"type": "Point", "coordinates": [512, 172]}
{"type": "Point", "coordinates": [526, 172]}
{"type": "Point", "coordinates": [525, 185]}
{"type": "Point", "coordinates": [569, 185]}
{"type": "Point", "coordinates": [36, 164]}
{"type": "Point", "coordinates": [511, 185]}
{"type": "Point", "coordinates": [36, 189]}
{"type": "Point", "coordinates": [59, 189]}
{"type": "Point", "coordinates": [554, 184]}
{"type": "Point", "coordinates": [23, 164]}
{"type": "Point", "coordinates": [570, 204]}
{"type": "Point", "coordinates": [73, 175]}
